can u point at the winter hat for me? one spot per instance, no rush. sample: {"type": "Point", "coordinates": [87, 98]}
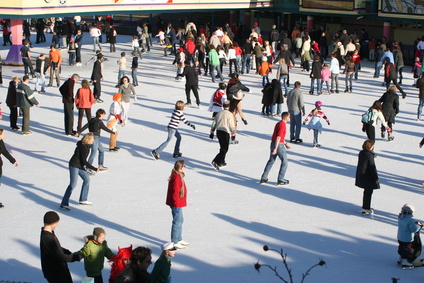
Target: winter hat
{"type": "Point", "coordinates": [318, 103]}
{"type": "Point", "coordinates": [122, 54]}
{"type": "Point", "coordinates": [97, 232]}
{"type": "Point", "coordinates": [233, 75]}
{"type": "Point", "coordinates": [116, 96]}
{"type": "Point", "coordinates": [169, 247]}
{"type": "Point", "coordinates": [51, 217]}
{"type": "Point", "coordinates": [180, 49]}
{"type": "Point", "coordinates": [239, 95]}
{"type": "Point", "coordinates": [408, 208]}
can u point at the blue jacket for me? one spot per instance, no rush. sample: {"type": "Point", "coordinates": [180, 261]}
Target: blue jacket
{"type": "Point", "coordinates": [406, 228]}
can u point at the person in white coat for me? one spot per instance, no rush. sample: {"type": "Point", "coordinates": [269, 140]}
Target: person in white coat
{"type": "Point", "coordinates": [115, 113]}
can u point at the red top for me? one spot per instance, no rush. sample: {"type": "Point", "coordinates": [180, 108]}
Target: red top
{"type": "Point", "coordinates": [279, 131]}
{"type": "Point", "coordinates": [238, 50]}
{"type": "Point", "coordinates": [190, 46]}
{"type": "Point", "coordinates": [84, 98]}
{"type": "Point", "coordinates": [174, 197]}
{"type": "Point", "coordinates": [356, 58]}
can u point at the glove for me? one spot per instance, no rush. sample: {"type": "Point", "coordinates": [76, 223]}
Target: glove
{"type": "Point", "coordinates": [291, 67]}
{"type": "Point", "coordinates": [389, 130]}
{"type": "Point", "coordinates": [193, 126]}
{"type": "Point", "coordinates": [75, 257]}
{"type": "Point", "coordinates": [233, 138]}
{"type": "Point", "coordinates": [328, 123]}
{"type": "Point", "coordinates": [211, 136]}
{"type": "Point", "coordinates": [304, 123]}
{"type": "Point", "coordinates": [244, 121]}
{"type": "Point", "coordinates": [175, 210]}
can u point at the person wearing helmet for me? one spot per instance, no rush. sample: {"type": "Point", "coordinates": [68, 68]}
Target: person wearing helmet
{"type": "Point", "coordinates": [315, 123]}
{"type": "Point", "coordinates": [407, 227]}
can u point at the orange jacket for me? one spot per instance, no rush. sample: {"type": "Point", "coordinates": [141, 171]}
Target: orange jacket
{"type": "Point", "coordinates": [84, 98]}
{"type": "Point", "coordinates": [264, 68]}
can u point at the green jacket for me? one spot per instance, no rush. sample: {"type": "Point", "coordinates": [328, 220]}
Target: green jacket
{"type": "Point", "coordinates": [213, 57]}
{"type": "Point", "coordinates": [94, 256]}
{"type": "Point", "coordinates": [161, 271]}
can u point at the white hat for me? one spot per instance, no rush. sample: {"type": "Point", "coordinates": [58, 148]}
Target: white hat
{"type": "Point", "coordinates": [408, 208]}
{"type": "Point", "coordinates": [239, 95]}
{"type": "Point", "coordinates": [169, 247]}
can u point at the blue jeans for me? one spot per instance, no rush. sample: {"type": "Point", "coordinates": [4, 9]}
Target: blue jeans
{"type": "Point", "coordinates": [327, 84]}
{"type": "Point", "coordinates": [315, 137]}
{"type": "Point", "coordinates": [177, 226]}
{"type": "Point", "coordinates": [134, 76]}
{"type": "Point", "coordinates": [295, 124]}
{"type": "Point", "coordinates": [246, 63]}
{"type": "Point", "coordinates": [96, 42]}
{"type": "Point", "coordinates": [121, 74]}
{"type": "Point", "coordinates": [74, 172]}
{"type": "Point", "coordinates": [263, 80]}
{"type": "Point", "coordinates": [378, 66]}
{"type": "Point", "coordinates": [348, 80]}
{"type": "Point", "coordinates": [282, 154]}
{"type": "Point", "coordinates": [318, 84]}
{"type": "Point", "coordinates": [283, 81]}
{"type": "Point", "coordinates": [277, 108]}
{"type": "Point", "coordinates": [171, 133]}
{"type": "Point", "coordinates": [420, 108]}
{"type": "Point", "coordinates": [218, 71]}
{"type": "Point", "coordinates": [97, 146]}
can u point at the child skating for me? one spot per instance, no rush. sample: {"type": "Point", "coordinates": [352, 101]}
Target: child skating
{"type": "Point", "coordinates": [315, 123]}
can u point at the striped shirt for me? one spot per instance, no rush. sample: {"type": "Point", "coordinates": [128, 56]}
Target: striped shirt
{"type": "Point", "coordinates": [176, 117]}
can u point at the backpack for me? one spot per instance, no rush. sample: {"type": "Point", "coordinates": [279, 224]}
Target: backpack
{"type": "Point", "coordinates": [368, 117]}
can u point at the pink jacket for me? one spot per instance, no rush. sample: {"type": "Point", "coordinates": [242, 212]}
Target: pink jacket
{"type": "Point", "coordinates": [325, 75]}
{"type": "Point", "coordinates": [84, 98]}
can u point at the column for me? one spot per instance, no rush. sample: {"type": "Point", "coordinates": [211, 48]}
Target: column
{"type": "Point", "coordinates": [14, 55]}
{"type": "Point", "coordinates": [310, 23]}
{"type": "Point", "coordinates": [386, 30]}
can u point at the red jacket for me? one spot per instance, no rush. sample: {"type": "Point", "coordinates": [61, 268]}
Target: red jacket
{"type": "Point", "coordinates": [176, 198]}
{"type": "Point", "coordinates": [190, 46]}
{"type": "Point", "coordinates": [84, 98]}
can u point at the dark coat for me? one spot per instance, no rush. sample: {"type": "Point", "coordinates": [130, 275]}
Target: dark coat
{"type": "Point", "coordinates": [366, 172]}
{"type": "Point", "coordinates": [390, 72]}
{"type": "Point", "coordinates": [132, 274]}
{"type": "Point", "coordinates": [267, 95]}
{"type": "Point", "coordinates": [79, 159]}
{"type": "Point", "coordinates": [67, 91]}
{"type": "Point", "coordinates": [420, 85]}
{"type": "Point", "coordinates": [54, 259]}
{"type": "Point", "coordinates": [390, 102]}
{"type": "Point", "coordinates": [287, 55]}
{"type": "Point", "coordinates": [191, 76]}
{"type": "Point", "coordinates": [11, 95]}
{"type": "Point", "coordinates": [6, 154]}
{"type": "Point", "coordinates": [234, 87]}
{"type": "Point", "coordinates": [316, 69]}
{"type": "Point", "coordinates": [97, 71]}
{"type": "Point", "coordinates": [277, 93]}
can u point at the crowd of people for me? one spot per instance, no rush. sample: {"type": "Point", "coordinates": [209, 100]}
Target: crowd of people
{"type": "Point", "coordinates": [202, 51]}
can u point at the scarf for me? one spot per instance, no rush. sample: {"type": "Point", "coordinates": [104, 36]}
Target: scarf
{"type": "Point", "coordinates": [182, 191]}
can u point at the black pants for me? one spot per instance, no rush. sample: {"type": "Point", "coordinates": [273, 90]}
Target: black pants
{"type": "Point", "coordinates": [404, 250]}
{"type": "Point", "coordinates": [195, 92]}
{"type": "Point", "coordinates": [68, 109]}
{"type": "Point", "coordinates": [28, 65]}
{"type": "Point", "coordinates": [390, 124]}
{"type": "Point", "coordinates": [81, 116]}
{"type": "Point", "coordinates": [13, 117]}
{"type": "Point", "coordinates": [78, 54]}
{"type": "Point", "coordinates": [370, 130]}
{"type": "Point", "coordinates": [388, 80]}
{"type": "Point", "coordinates": [366, 199]}
{"type": "Point", "coordinates": [233, 62]}
{"type": "Point", "coordinates": [224, 143]}
{"type": "Point", "coordinates": [98, 279]}
{"type": "Point", "coordinates": [97, 89]}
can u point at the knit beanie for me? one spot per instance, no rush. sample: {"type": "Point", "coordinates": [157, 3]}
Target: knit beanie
{"type": "Point", "coordinates": [408, 209]}
{"type": "Point", "coordinates": [116, 96]}
{"type": "Point", "coordinates": [97, 232]}
{"type": "Point", "coordinates": [51, 217]}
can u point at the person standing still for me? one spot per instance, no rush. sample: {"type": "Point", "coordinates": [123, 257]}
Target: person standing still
{"type": "Point", "coordinates": [26, 59]}
{"type": "Point", "coordinates": [25, 100]}
{"type": "Point", "coordinates": [67, 92]}
{"type": "Point", "coordinates": [55, 59]}
{"type": "Point", "coordinates": [97, 77]}
{"type": "Point", "coordinates": [176, 199]}
{"type": "Point", "coordinates": [279, 148]}
{"type": "Point", "coordinates": [297, 110]}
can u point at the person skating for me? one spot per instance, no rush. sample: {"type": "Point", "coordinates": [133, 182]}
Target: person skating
{"type": "Point", "coordinates": [95, 125]}
{"type": "Point", "coordinates": [97, 77]}
{"type": "Point", "coordinates": [407, 227]}
{"type": "Point", "coordinates": [5, 153]}
{"type": "Point", "coordinates": [136, 271]}
{"type": "Point", "coordinates": [224, 124]}
{"type": "Point", "coordinates": [176, 118]}
{"type": "Point", "coordinates": [279, 148]}
{"type": "Point", "coordinates": [162, 270]}
{"type": "Point", "coordinates": [315, 123]}
{"type": "Point", "coordinates": [25, 99]}
{"type": "Point", "coordinates": [390, 108]}
{"type": "Point", "coordinates": [296, 109]}
{"type": "Point", "coordinates": [192, 82]}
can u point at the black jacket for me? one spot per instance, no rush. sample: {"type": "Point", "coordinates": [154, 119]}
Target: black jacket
{"type": "Point", "coordinates": [191, 76]}
{"type": "Point", "coordinates": [132, 274]}
{"type": "Point", "coordinates": [287, 55]}
{"type": "Point", "coordinates": [390, 103]}
{"type": "Point", "coordinates": [234, 87]}
{"type": "Point", "coordinates": [79, 159]}
{"type": "Point", "coordinates": [366, 172]}
{"type": "Point", "coordinates": [95, 126]}
{"type": "Point", "coordinates": [6, 154]}
{"type": "Point", "coordinates": [67, 91]}
{"type": "Point", "coordinates": [54, 259]}
{"type": "Point", "coordinates": [11, 95]}
{"type": "Point", "coordinates": [97, 71]}
{"type": "Point", "coordinates": [316, 69]}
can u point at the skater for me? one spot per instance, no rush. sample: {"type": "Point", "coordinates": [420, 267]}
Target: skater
{"type": "Point", "coordinates": [134, 68]}
{"type": "Point", "coordinates": [349, 70]}
{"type": "Point", "coordinates": [54, 257]}
{"type": "Point", "coordinates": [119, 262]}
{"type": "Point", "coordinates": [25, 99]}
{"type": "Point", "coordinates": [297, 110]}
{"type": "Point", "coordinates": [420, 86]}
{"type": "Point", "coordinates": [55, 61]}
{"type": "Point", "coordinates": [97, 77]}
{"type": "Point", "coordinates": [390, 108]}
{"type": "Point", "coordinates": [192, 83]}
{"type": "Point", "coordinates": [40, 72]}
{"type": "Point", "coordinates": [315, 123]}
{"type": "Point", "coordinates": [390, 75]}
{"type": "Point", "coordinates": [136, 271]}
{"type": "Point", "coordinates": [12, 103]}
{"type": "Point", "coordinates": [176, 199]}
{"type": "Point", "coordinates": [77, 165]}
{"type": "Point", "coordinates": [316, 75]}
{"type": "Point", "coordinates": [3, 150]}
{"type": "Point", "coordinates": [122, 65]}
{"type": "Point", "coordinates": [279, 148]}
{"type": "Point", "coordinates": [264, 69]}
{"type": "Point", "coordinates": [176, 118]}
{"type": "Point", "coordinates": [237, 108]}
{"type": "Point", "coordinates": [217, 100]}
{"type": "Point", "coordinates": [115, 113]}
{"type": "Point", "coordinates": [224, 124]}
{"type": "Point", "coordinates": [369, 120]}
{"type": "Point", "coordinates": [125, 88]}
{"type": "Point", "coordinates": [94, 252]}
{"type": "Point", "coordinates": [162, 270]}
{"type": "Point", "coordinates": [84, 100]}
{"type": "Point", "coordinates": [95, 125]}
{"type": "Point", "coordinates": [366, 175]}
{"type": "Point", "coordinates": [67, 92]}
{"type": "Point", "coordinates": [407, 227]}
{"type": "Point", "coordinates": [26, 59]}
{"type": "Point", "coordinates": [335, 72]}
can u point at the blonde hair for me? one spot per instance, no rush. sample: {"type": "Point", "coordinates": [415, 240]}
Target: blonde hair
{"type": "Point", "coordinates": [179, 164]}
{"type": "Point", "coordinates": [87, 137]}
{"type": "Point", "coordinates": [393, 87]}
